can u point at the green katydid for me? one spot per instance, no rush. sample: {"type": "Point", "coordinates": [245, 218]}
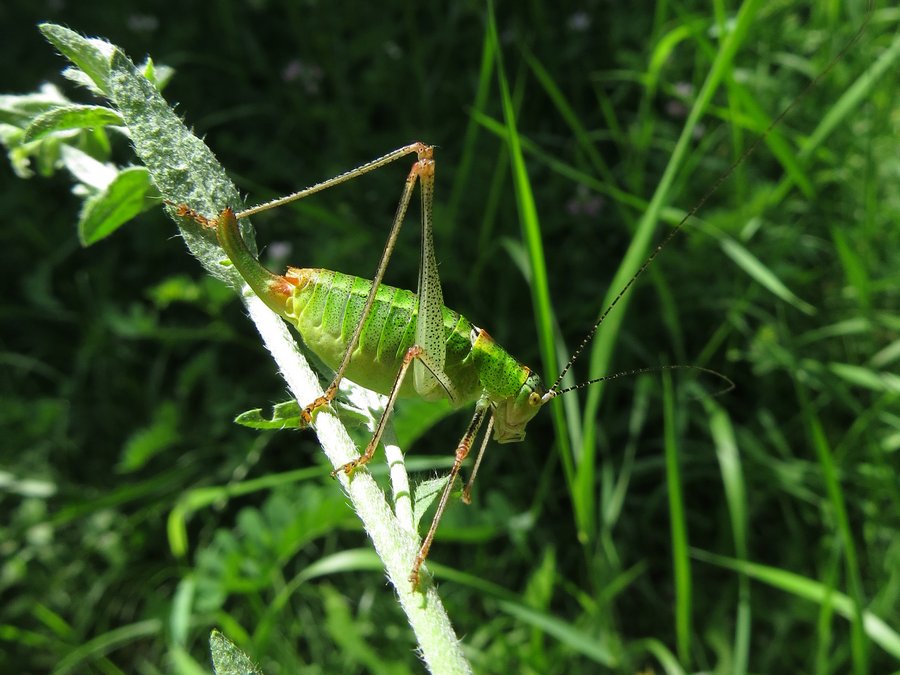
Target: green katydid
{"type": "Point", "coordinates": [373, 333]}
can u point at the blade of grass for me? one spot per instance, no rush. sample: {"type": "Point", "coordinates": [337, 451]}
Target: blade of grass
{"type": "Point", "coordinates": [876, 628]}
{"type": "Point", "coordinates": [531, 232]}
{"type": "Point", "coordinates": [824, 632]}
{"type": "Point", "coordinates": [567, 633]}
{"type": "Point", "coordinates": [582, 642]}
{"type": "Point", "coordinates": [470, 140]}
{"type": "Point", "coordinates": [604, 342]}
{"type": "Point", "coordinates": [666, 658]}
{"type": "Point", "coordinates": [568, 114]}
{"type": "Point", "coordinates": [859, 642]}
{"type": "Point", "coordinates": [744, 112]}
{"type": "Point", "coordinates": [852, 99]}
{"type": "Point", "coordinates": [736, 498]}
{"type": "Point", "coordinates": [568, 171]}
{"type": "Point", "coordinates": [678, 524]}
{"type": "Point", "coordinates": [754, 267]}
{"type": "Point", "coordinates": [103, 644]}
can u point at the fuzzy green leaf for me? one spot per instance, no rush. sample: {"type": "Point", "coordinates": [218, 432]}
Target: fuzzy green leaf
{"type": "Point", "coordinates": [121, 201]}
{"type": "Point", "coordinates": [285, 415]}
{"type": "Point", "coordinates": [425, 493]}
{"type": "Point", "coordinates": [94, 175]}
{"type": "Point", "coordinates": [228, 659]}
{"type": "Point", "coordinates": [71, 117]}
{"type": "Point", "coordinates": [182, 167]}
{"type": "Point", "coordinates": [20, 109]}
{"type": "Point", "coordinates": [91, 55]}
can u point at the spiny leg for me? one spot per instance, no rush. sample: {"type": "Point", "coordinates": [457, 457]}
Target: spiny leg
{"type": "Point", "coordinates": [411, 354]}
{"type": "Point", "coordinates": [462, 451]}
{"type": "Point", "coordinates": [414, 353]}
{"type": "Point", "coordinates": [467, 491]}
{"type": "Point", "coordinates": [423, 169]}
{"type": "Point", "coordinates": [418, 147]}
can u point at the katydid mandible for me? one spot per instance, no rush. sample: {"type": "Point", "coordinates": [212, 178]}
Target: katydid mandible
{"type": "Point", "coordinates": [373, 333]}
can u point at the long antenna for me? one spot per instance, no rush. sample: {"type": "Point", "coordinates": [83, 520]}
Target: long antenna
{"type": "Point", "coordinates": [728, 386]}
{"type": "Point", "coordinates": [709, 193]}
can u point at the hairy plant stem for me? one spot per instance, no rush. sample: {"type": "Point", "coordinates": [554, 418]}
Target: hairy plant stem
{"type": "Point", "coordinates": [185, 172]}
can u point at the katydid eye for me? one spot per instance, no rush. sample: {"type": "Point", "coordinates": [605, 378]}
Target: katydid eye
{"type": "Point", "coordinates": [534, 398]}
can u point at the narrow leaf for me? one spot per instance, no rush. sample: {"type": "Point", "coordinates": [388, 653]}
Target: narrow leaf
{"type": "Point", "coordinates": [71, 117]}
{"type": "Point", "coordinates": [763, 275]}
{"type": "Point", "coordinates": [426, 492]}
{"type": "Point", "coordinates": [122, 200]}
{"type": "Point", "coordinates": [285, 415]}
{"type": "Point", "coordinates": [866, 377]}
{"type": "Point", "coordinates": [587, 644]}
{"type": "Point", "coordinates": [90, 172]}
{"type": "Point", "coordinates": [91, 55]}
{"type": "Point", "coordinates": [183, 168]}
{"type": "Point", "coordinates": [880, 632]}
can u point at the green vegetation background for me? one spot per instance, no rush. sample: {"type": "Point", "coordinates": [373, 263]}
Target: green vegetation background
{"type": "Point", "coordinates": [123, 366]}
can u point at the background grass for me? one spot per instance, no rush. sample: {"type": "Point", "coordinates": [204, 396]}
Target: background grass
{"type": "Point", "coordinates": [653, 527]}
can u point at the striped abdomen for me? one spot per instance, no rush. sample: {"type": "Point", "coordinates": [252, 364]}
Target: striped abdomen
{"type": "Point", "coordinates": [326, 306]}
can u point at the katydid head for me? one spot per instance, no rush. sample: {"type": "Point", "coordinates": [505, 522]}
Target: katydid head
{"type": "Point", "coordinates": [512, 414]}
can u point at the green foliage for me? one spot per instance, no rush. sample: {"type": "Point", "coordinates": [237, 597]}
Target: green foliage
{"type": "Point", "coordinates": [652, 528]}
{"type": "Point", "coordinates": [285, 415]}
{"type": "Point", "coordinates": [228, 659]}
{"type": "Point", "coordinates": [48, 127]}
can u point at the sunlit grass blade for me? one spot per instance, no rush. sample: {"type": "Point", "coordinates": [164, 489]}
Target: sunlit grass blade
{"type": "Point", "coordinates": [200, 498]}
{"type": "Point", "coordinates": [876, 628]}
{"type": "Point", "coordinates": [754, 118]}
{"type": "Point", "coordinates": [663, 654]}
{"type": "Point", "coordinates": [604, 343]}
{"type": "Point", "coordinates": [866, 377]}
{"type": "Point", "coordinates": [762, 274]}
{"type": "Point", "coordinates": [852, 99]}
{"type": "Point", "coordinates": [584, 643]}
{"type": "Point", "coordinates": [531, 232]}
